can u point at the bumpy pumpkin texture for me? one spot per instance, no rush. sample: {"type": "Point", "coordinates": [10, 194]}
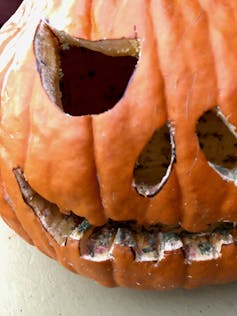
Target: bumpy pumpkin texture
{"type": "Point", "coordinates": [118, 142]}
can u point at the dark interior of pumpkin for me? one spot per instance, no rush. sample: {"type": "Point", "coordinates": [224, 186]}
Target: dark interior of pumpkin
{"type": "Point", "coordinates": [7, 8]}
{"type": "Point", "coordinates": [92, 83]}
{"type": "Point", "coordinates": [85, 78]}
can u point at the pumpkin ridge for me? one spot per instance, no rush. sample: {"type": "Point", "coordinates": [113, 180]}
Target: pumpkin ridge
{"type": "Point", "coordinates": [183, 212]}
{"type": "Point", "coordinates": [90, 18]}
{"type": "Point", "coordinates": [96, 169]}
{"type": "Point", "coordinates": [210, 45]}
{"type": "Point", "coordinates": [9, 37]}
{"type": "Point", "coordinates": [28, 134]}
{"type": "Point", "coordinates": [163, 91]}
{"type": "Point", "coordinates": [26, 123]}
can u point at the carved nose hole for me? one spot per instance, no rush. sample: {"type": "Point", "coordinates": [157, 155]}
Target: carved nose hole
{"type": "Point", "coordinates": [84, 77]}
{"type": "Point", "coordinates": [155, 162]}
{"type": "Point", "coordinates": [218, 141]}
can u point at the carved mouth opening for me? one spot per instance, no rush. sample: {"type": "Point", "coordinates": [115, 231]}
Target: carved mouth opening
{"type": "Point", "coordinates": [147, 243]}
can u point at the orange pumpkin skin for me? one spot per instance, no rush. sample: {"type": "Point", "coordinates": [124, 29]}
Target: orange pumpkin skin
{"type": "Point", "coordinates": [85, 165]}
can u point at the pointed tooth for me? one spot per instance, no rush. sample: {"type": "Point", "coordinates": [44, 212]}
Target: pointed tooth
{"type": "Point", "coordinates": [198, 247]}
{"type": "Point", "coordinates": [76, 234]}
{"type": "Point", "coordinates": [167, 242]}
{"type": "Point", "coordinates": [124, 237]}
{"type": "Point", "coordinates": [218, 239]}
{"type": "Point", "coordinates": [80, 230]}
{"type": "Point", "coordinates": [146, 246]}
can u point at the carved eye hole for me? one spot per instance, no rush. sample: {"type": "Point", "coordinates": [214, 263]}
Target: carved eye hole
{"type": "Point", "coordinates": [218, 140]}
{"type": "Point", "coordinates": [92, 82]}
{"type": "Point", "coordinates": [155, 162]}
{"type": "Point", "coordinates": [84, 77]}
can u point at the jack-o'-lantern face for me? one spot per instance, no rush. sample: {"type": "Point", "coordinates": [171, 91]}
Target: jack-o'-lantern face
{"type": "Point", "coordinates": [118, 138]}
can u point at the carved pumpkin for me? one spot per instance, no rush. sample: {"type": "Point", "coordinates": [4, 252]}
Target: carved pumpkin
{"type": "Point", "coordinates": [118, 153]}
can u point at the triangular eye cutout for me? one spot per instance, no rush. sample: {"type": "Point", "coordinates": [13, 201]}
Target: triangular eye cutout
{"type": "Point", "coordinates": [218, 141]}
{"type": "Point", "coordinates": [155, 162]}
{"type": "Point", "coordinates": [84, 77]}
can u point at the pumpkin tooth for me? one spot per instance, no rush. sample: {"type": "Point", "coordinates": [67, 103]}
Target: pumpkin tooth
{"type": "Point", "coordinates": [96, 247]}
{"type": "Point", "coordinates": [197, 247]}
{"type": "Point", "coordinates": [219, 239]}
{"type": "Point", "coordinates": [203, 247]}
{"type": "Point", "coordinates": [124, 237]}
{"type": "Point", "coordinates": [83, 228]}
{"type": "Point", "coordinates": [169, 241]}
{"type": "Point", "coordinates": [146, 246]}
